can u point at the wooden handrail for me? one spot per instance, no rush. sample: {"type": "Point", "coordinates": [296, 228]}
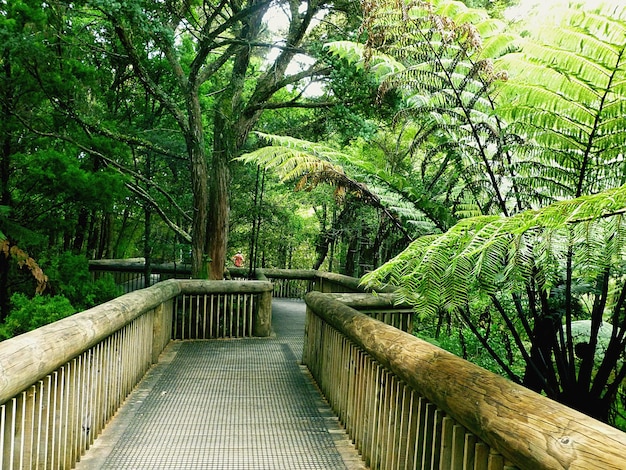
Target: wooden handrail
{"type": "Point", "coordinates": [60, 384]}
{"type": "Point", "coordinates": [347, 283]}
{"type": "Point", "coordinates": [532, 431]}
{"type": "Point", "coordinates": [528, 430]}
{"type": "Point", "coordinates": [27, 358]}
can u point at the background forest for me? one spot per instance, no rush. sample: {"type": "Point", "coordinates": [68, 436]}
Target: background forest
{"type": "Point", "coordinates": [475, 160]}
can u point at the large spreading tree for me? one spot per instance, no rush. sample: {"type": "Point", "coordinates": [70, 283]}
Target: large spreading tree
{"type": "Point", "coordinates": [219, 87]}
{"type": "Point", "coordinates": [141, 86]}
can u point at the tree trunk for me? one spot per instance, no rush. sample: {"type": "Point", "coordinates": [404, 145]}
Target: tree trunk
{"type": "Point", "coordinates": [4, 287]}
{"type": "Point", "coordinates": [81, 230]}
{"type": "Point", "coordinates": [197, 157]}
{"type": "Point", "coordinates": [539, 375]}
{"type": "Point", "coordinates": [218, 219]}
{"type": "Point", "coordinates": [147, 246]}
{"type": "Point", "coordinates": [580, 399]}
{"type": "Point", "coordinates": [324, 240]}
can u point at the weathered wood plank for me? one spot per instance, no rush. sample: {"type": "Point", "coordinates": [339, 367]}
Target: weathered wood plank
{"type": "Point", "coordinates": [528, 429]}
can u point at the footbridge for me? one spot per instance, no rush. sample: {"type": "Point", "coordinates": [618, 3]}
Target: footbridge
{"type": "Point", "coordinates": [243, 374]}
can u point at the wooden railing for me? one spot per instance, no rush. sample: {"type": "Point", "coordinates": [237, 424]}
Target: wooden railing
{"type": "Point", "coordinates": [289, 283]}
{"type": "Point", "coordinates": [60, 384]}
{"type": "Point", "coordinates": [222, 309]}
{"type": "Point", "coordinates": [405, 403]}
{"type": "Point", "coordinates": [410, 405]}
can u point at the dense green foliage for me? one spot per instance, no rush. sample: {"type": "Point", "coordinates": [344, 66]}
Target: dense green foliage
{"type": "Point", "coordinates": [551, 129]}
{"type": "Point", "coordinates": [119, 120]}
{"type": "Point", "coordinates": [31, 313]}
{"type": "Point", "coordinates": [69, 289]}
{"type": "Point", "coordinates": [491, 153]}
{"type": "Point", "coordinates": [494, 128]}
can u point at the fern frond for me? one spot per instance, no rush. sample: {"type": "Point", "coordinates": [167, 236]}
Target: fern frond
{"type": "Point", "coordinates": [492, 253]}
{"type": "Point", "coordinates": [567, 95]}
{"type": "Point", "coordinates": [312, 164]}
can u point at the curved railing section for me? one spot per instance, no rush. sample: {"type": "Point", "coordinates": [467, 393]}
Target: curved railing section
{"type": "Point", "coordinates": [60, 384]}
{"type": "Point", "coordinates": [409, 404]}
{"type": "Point", "coordinates": [289, 283]}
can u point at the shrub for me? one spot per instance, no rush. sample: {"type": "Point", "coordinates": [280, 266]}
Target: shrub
{"type": "Point", "coordinates": [30, 313]}
{"type": "Point", "coordinates": [70, 277]}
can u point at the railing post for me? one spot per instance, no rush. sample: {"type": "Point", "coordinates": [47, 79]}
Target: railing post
{"type": "Point", "coordinates": [162, 328]}
{"type": "Point", "coordinates": [263, 320]}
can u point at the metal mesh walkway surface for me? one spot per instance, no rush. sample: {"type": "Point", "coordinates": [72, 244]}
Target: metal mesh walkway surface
{"type": "Point", "coordinates": [228, 404]}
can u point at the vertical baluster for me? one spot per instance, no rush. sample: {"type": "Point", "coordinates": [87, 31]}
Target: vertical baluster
{"type": "Point", "coordinates": [10, 455]}
{"type": "Point", "coordinates": [228, 318]}
{"type": "Point", "coordinates": [85, 402]}
{"type": "Point", "coordinates": [458, 441]}
{"type": "Point", "coordinates": [445, 450]}
{"type": "Point", "coordinates": [345, 377]}
{"type": "Point", "coordinates": [402, 431]}
{"type": "Point", "coordinates": [383, 417]}
{"type": "Point", "coordinates": [61, 418]}
{"type": "Point", "coordinates": [469, 453]}
{"type": "Point", "coordinates": [481, 456]}
{"type": "Point", "coordinates": [190, 321]}
{"type": "Point", "coordinates": [496, 461]}
{"type": "Point", "coordinates": [396, 420]}
{"type": "Point", "coordinates": [45, 422]}
{"type": "Point", "coordinates": [370, 407]}
{"type": "Point", "coordinates": [238, 332]}
{"type": "Point", "coordinates": [176, 317]}
{"type": "Point", "coordinates": [96, 425]}
{"type": "Point", "coordinates": [3, 435]}
{"type": "Point", "coordinates": [182, 315]}
{"type": "Point", "coordinates": [359, 425]}
{"type": "Point", "coordinates": [77, 424]}
{"type": "Point", "coordinates": [436, 451]}
{"type": "Point", "coordinates": [29, 420]}
{"type": "Point", "coordinates": [251, 314]}
{"type": "Point", "coordinates": [107, 358]}
{"type": "Point", "coordinates": [68, 416]}
{"type": "Point", "coordinates": [54, 419]}
{"type": "Point", "coordinates": [429, 435]}
{"type": "Point", "coordinates": [223, 315]}
{"type": "Point", "coordinates": [244, 316]}
{"type": "Point", "coordinates": [205, 313]}
{"type": "Point", "coordinates": [197, 317]}
{"type": "Point", "coordinates": [412, 424]}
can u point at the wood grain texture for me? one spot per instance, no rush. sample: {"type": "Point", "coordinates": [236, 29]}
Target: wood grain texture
{"type": "Point", "coordinates": [531, 431]}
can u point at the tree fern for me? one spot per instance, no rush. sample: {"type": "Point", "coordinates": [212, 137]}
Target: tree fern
{"type": "Point", "coordinates": [567, 95]}
{"type": "Point", "coordinates": [310, 164]}
{"type": "Point", "coordinates": [530, 255]}
{"type": "Point", "coordinates": [446, 79]}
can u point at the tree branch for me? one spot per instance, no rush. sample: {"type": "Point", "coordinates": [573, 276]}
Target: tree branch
{"type": "Point", "coordinates": [109, 161]}
{"type": "Point", "coordinates": [139, 191]}
{"type": "Point", "coordinates": [144, 77]}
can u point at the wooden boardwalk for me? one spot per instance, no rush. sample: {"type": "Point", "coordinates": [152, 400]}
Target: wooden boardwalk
{"type": "Point", "coordinates": [228, 404]}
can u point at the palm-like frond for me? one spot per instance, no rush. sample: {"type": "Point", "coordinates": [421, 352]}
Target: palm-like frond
{"type": "Point", "coordinates": [446, 82]}
{"type": "Point", "coordinates": [492, 254]}
{"type": "Point", "coordinates": [311, 164]}
{"type": "Point", "coordinates": [567, 95]}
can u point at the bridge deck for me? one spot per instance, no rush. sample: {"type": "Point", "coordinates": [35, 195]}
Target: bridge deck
{"type": "Point", "coordinates": [228, 404]}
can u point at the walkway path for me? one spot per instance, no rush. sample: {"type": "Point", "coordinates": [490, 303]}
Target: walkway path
{"type": "Point", "coordinates": [228, 404]}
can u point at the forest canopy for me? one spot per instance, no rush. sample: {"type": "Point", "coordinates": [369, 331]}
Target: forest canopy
{"type": "Point", "coordinates": [476, 162]}
{"type": "Point", "coordinates": [513, 163]}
